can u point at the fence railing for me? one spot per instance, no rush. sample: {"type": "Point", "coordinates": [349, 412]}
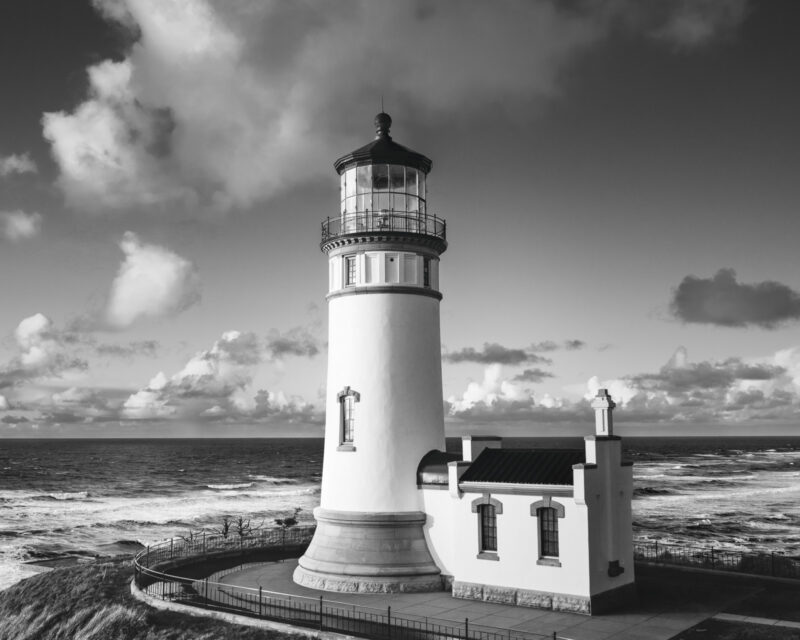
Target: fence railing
{"type": "Point", "coordinates": [179, 559]}
{"type": "Point", "coordinates": [762, 564]}
{"type": "Point", "coordinates": [383, 221]}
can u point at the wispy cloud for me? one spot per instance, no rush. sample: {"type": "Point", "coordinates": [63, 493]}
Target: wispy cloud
{"type": "Point", "coordinates": [493, 353]}
{"type": "Point", "coordinates": [532, 375]}
{"type": "Point", "coordinates": [16, 164]}
{"type": "Point", "coordinates": [19, 225]}
{"type": "Point", "coordinates": [722, 301]}
{"type": "Point", "coordinates": [298, 341]}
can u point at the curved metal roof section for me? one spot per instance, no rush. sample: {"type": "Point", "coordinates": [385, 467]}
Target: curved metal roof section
{"type": "Point", "coordinates": [383, 150]}
{"type": "Point", "coordinates": [432, 468]}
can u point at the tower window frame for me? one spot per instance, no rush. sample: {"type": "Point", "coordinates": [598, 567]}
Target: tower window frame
{"type": "Point", "coordinates": [426, 272]}
{"type": "Point", "coordinates": [350, 270]}
{"type": "Point", "coordinates": [347, 399]}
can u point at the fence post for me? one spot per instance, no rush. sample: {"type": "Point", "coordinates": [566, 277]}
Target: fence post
{"type": "Point", "coordinates": [466, 628]}
{"type": "Point", "coordinates": [320, 613]}
{"type": "Point", "coordinates": [259, 601]}
{"type": "Point", "coordinates": [205, 593]}
{"type": "Point", "coordinates": [389, 622]}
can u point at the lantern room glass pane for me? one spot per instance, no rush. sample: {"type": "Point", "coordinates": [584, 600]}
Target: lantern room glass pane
{"type": "Point", "coordinates": [350, 182]}
{"type": "Point", "coordinates": [364, 179]}
{"type": "Point", "coordinates": [397, 177]}
{"type": "Point", "coordinates": [341, 188]}
{"type": "Point", "coordinates": [380, 177]}
{"type": "Point", "coordinates": [381, 201]}
{"type": "Point", "coordinates": [422, 192]}
{"type": "Point", "coordinates": [411, 181]}
{"type": "Point", "coordinates": [413, 204]}
{"type": "Point", "coordinates": [399, 202]}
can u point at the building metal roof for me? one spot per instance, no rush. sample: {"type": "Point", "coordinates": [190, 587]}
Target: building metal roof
{"type": "Point", "coordinates": [383, 150]}
{"type": "Point", "coordinates": [525, 466]}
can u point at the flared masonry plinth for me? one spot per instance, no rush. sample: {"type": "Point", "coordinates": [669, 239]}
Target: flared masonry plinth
{"type": "Point", "coordinates": [368, 553]}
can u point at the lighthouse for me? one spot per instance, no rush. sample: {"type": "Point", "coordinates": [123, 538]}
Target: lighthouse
{"type": "Point", "coordinates": [384, 408]}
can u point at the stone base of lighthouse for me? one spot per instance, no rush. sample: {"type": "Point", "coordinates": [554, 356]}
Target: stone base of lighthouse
{"type": "Point", "coordinates": [369, 553]}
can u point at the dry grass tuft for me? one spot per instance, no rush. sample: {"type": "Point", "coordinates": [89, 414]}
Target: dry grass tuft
{"type": "Point", "coordinates": [93, 602]}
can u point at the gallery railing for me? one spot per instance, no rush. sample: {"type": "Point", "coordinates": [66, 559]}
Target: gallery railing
{"type": "Point", "coordinates": [762, 564]}
{"type": "Point", "coordinates": [382, 222]}
{"type": "Point", "coordinates": [177, 570]}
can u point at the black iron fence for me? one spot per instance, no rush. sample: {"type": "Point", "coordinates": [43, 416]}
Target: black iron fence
{"type": "Point", "coordinates": [383, 221]}
{"type": "Point", "coordinates": [762, 564]}
{"type": "Point", "coordinates": [178, 570]}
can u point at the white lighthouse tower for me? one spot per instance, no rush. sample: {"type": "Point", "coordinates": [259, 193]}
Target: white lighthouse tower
{"type": "Point", "coordinates": [384, 392]}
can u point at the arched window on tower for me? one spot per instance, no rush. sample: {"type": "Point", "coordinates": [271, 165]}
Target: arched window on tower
{"type": "Point", "coordinates": [347, 418]}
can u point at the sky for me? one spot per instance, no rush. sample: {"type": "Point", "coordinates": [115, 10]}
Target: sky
{"type": "Point", "coordinates": [619, 181]}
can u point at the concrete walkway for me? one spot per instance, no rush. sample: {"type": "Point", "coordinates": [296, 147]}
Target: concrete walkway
{"type": "Point", "coordinates": [770, 622]}
{"type": "Point", "coordinates": [667, 606]}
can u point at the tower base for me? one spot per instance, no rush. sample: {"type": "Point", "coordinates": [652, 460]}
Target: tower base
{"type": "Point", "coordinates": [368, 552]}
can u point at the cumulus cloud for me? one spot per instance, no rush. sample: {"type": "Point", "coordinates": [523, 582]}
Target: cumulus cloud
{"type": "Point", "coordinates": [720, 391]}
{"type": "Point", "coordinates": [722, 301]}
{"type": "Point", "coordinates": [217, 384]}
{"type": "Point", "coordinates": [16, 163]}
{"type": "Point", "coordinates": [42, 349]}
{"type": "Point", "coordinates": [499, 399]}
{"type": "Point", "coordinates": [19, 225]}
{"type": "Point", "coordinates": [220, 105]}
{"type": "Point", "coordinates": [493, 353]}
{"type": "Point", "coordinates": [152, 282]}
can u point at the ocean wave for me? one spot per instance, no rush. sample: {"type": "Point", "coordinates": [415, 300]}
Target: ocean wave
{"type": "Point", "coordinates": [62, 495]}
{"type": "Point", "coordinates": [239, 485]}
{"type": "Point", "coordinates": [651, 491]}
{"type": "Point", "coordinates": [272, 479]}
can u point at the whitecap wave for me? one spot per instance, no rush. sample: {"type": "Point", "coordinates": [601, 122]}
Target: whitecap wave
{"type": "Point", "coordinates": [238, 485]}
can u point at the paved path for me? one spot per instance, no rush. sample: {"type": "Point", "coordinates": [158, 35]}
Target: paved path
{"type": "Point", "coordinates": [665, 609]}
{"type": "Point", "coordinates": [732, 617]}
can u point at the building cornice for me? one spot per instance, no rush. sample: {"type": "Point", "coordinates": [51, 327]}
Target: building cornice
{"type": "Point", "coordinates": [516, 489]}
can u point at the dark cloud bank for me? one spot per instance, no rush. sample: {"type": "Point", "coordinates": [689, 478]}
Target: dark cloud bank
{"type": "Point", "coordinates": [722, 301]}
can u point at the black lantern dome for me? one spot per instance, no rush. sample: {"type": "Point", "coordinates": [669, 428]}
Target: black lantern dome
{"type": "Point", "coordinates": [383, 150]}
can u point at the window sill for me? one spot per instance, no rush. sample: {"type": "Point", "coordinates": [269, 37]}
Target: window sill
{"type": "Point", "coordinates": [488, 555]}
{"type": "Point", "coordinates": [346, 447]}
{"type": "Point", "coordinates": [548, 562]}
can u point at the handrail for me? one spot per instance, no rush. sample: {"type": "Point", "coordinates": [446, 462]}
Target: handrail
{"type": "Point", "coordinates": [382, 221]}
{"type": "Point", "coordinates": [321, 613]}
{"type": "Point", "coordinates": [753, 563]}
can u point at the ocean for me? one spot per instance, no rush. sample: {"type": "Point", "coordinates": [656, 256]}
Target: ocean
{"type": "Point", "coordinates": [83, 497]}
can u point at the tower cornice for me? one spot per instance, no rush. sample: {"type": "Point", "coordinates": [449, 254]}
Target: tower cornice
{"type": "Point", "coordinates": [382, 241]}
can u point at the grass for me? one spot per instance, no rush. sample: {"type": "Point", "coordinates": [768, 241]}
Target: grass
{"type": "Point", "coordinates": [93, 602]}
{"type": "Point", "coordinates": [722, 630]}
